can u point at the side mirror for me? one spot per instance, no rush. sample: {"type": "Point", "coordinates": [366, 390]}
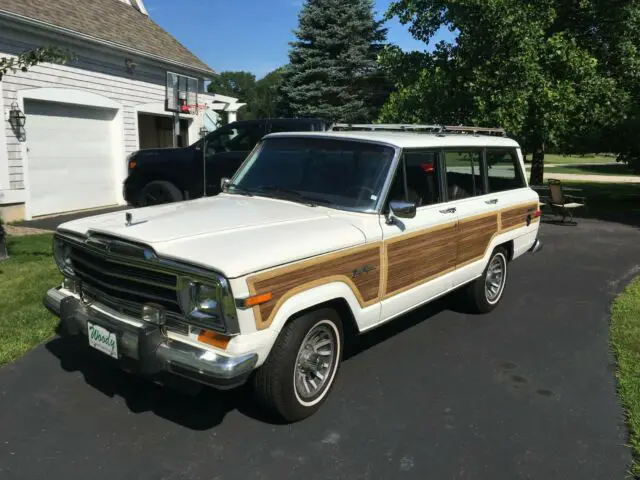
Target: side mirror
{"type": "Point", "coordinates": [224, 181]}
{"type": "Point", "coordinates": [401, 209]}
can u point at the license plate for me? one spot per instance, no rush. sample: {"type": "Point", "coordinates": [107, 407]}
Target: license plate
{"type": "Point", "coordinates": [102, 339]}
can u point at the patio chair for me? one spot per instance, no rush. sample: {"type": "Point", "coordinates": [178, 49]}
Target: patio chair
{"type": "Point", "coordinates": [562, 204]}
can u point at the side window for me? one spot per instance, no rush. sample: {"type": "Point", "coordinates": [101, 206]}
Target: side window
{"type": "Point", "coordinates": [234, 139]}
{"type": "Point", "coordinates": [504, 172]}
{"type": "Point", "coordinates": [420, 169]}
{"type": "Point", "coordinates": [464, 173]}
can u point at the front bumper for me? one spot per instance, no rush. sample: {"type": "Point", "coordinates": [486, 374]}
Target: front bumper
{"type": "Point", "coordinates": [150, 349]}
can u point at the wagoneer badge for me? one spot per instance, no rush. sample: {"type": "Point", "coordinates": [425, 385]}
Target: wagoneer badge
{"type": "Point", "coordinates": [364, 269]}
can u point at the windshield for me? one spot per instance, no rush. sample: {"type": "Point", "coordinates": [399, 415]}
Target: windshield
{"type": "Point", "coordinates": [337, 173]}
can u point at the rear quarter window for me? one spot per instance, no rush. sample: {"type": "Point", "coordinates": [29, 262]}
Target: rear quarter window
{"type": "Point", "coordinates": [503, 170]}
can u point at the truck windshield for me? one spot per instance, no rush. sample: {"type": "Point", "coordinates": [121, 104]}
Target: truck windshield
{"type": "Point", "coordinates": [342, 174]}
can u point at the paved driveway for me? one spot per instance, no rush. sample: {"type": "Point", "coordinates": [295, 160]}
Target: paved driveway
{"type": "Point", "coordinates": [526, 392]}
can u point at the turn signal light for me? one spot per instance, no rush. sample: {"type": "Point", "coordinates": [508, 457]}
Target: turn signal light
{"type": "Point", "coordinates": [256, 300]}
{"type": "Point", "coordinates": [214, 339]}
{"type": "Point", "coordinates": [132, 164]}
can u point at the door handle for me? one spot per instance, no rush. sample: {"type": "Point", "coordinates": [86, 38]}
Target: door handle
{"type": "Point", "coordinates": [493, 201]}
{"type": "Point", "coordinates": [449, 210]}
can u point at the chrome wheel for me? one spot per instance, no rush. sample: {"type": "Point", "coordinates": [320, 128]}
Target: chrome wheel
{"type": "Point", "coordinates": [315, 363]}
{"type": "Point", "coordinates": [495, 278]}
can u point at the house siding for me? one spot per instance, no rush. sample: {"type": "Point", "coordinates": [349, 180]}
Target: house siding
{"type": "Point", "coordinates": [93, 70]}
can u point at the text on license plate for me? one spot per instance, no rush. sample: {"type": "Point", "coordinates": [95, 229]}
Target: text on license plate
{"type": "Point", "coordinates": [102, 339]}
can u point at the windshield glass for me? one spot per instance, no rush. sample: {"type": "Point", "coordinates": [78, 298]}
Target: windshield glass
{"type": "Point", "coordinates": [337, 173]}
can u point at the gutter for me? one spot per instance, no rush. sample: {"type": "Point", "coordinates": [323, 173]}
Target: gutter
{"type": "Point", "coordinates": [72, 33]}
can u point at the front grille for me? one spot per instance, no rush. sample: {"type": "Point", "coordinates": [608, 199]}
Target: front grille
{"type": "Point", "coordinates": [124, 283]}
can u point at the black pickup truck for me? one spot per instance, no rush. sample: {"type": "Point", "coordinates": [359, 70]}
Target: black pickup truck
{"type": "Point", "coordinates": [165, 175]}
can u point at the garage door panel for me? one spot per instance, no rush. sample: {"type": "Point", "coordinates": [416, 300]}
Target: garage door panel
{"type": "Point", "coordinates": [70, 157]}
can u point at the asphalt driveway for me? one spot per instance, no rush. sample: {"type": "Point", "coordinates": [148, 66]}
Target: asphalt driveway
{"type": "Point", "coordinates": [526, 392]}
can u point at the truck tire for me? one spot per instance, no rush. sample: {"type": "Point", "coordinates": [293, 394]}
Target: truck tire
{"type": "Point", "coordinates": [159, 192]}
{"type": "Point", "coordinates": [301, 368]}
{"type": "Point", "coordinates": [485, 292]}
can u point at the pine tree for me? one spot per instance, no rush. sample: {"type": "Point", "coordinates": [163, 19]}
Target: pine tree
{"type": "Point", "coordinates": [333, 71]}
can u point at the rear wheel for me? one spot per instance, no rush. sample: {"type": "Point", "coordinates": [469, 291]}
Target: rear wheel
{"type": "Point", "coordinates": [159, 192]}
{"type": "Point", "coordinates": [301, 369]}
{"type": "Point", "coordinates": [484, 293]}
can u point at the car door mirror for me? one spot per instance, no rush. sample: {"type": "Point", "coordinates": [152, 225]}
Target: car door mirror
{"type": "Point", "coordinates": [224, 182]}
{"type": "Point", "coordinates": [402, 209]}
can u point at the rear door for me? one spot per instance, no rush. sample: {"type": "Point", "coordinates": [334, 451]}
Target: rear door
{"type": "Point", "coordinates": [226, 149]}
{"type": "Point", "coordinates": [420, 252]}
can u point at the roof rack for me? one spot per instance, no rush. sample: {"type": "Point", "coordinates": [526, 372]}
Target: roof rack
{"type": "Point", "coordinates": [418, 128]}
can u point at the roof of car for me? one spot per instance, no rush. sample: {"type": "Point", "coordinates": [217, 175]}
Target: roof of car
{"type": "Point", "coordinates": [408, 139]}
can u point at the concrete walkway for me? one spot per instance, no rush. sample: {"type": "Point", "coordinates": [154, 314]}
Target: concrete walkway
{"type": "Point", "coordinates": [574, 177]}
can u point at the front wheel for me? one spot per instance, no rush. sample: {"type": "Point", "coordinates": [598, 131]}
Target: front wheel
{"type": "Point", "coordinates": [485, 292]}
{"type": "Point", "coordinates": [159, 192]}
{"type": "Point", "coordinates": [301, 369]}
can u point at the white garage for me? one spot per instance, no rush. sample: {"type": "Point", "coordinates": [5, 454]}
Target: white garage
{"type": "Point", "coordinates": [70, 151]}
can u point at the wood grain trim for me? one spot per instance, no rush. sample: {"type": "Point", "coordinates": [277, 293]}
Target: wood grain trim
{"type": "Point", "coordinates": [417, 257]}
{"type": "Point", "coordinates": [397, 266]}
{"type": "Point", "coordinates": [284, 282]}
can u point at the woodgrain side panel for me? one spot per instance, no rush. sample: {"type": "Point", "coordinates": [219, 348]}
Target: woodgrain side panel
{"type": "Point", "coordinates": [517, 217]}
{"type": "Point", "coordinates": [417, 257]}
{"type": "Point", "coordinates": [286, 281]}
{"type": "Point", "coordinates": [474, 236]}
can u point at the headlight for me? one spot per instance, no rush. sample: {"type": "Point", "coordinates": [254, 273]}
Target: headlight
{"type": "Point", "coordinates": [62, 256]}
{"type": "Point", "coordinates": [201, 302]}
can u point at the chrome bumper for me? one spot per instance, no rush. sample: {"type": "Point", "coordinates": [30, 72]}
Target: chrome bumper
{"type": "Point", "coordinates": [153, 353]}
{"type": "Point", "coordinates": [537, 246]}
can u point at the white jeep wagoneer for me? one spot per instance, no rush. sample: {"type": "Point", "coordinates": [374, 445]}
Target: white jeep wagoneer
{"type": "Point", "coordinates": [316, 232]}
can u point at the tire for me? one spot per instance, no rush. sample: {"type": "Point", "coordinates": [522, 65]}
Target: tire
{"type": "Point", "coordinates": [159, 192]}
{"type": "Point", "coordinates": [281, 384]}
{"type": "Point", "coordinates": [482, 297]}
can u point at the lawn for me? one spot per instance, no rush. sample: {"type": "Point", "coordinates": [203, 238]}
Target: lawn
{"type": "Point", "coordinates": [625, 340]}
{"type": "Point", "coordinates": [611, 169]}
{"type": "Point", "coordinates": [24, 279]}
{"type": "Point", "coordinates": [551, 159]}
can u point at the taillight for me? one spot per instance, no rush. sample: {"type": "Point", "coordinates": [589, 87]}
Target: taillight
{"type": "Point", "coordinates": [537, 214]}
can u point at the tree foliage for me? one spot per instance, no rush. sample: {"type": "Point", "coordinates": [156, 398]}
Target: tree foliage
{"type": "Point", "coordinates": [333, 71]}
{"type": "Point", "coordinates": [261, 96]}
{"type": "Point", "coordinates": [538, 68]}
{"type": "Point", "coordinates": [28, 59]}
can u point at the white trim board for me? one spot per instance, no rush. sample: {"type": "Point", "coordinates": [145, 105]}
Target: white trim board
{"type": "Point", "coordinates": [4, 156]}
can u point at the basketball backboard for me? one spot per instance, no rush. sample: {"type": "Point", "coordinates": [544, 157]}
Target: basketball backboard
{"type": "Point", "coordinates": [182, 91]}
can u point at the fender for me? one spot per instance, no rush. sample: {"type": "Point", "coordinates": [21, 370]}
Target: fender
{"type": "Point", "coordinates": [321, 294]}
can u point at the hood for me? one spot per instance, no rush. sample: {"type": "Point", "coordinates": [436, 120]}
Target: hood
{"type": "Point", "coordinates": [231, 234]}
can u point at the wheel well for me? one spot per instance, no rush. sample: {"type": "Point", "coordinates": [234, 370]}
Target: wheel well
{"type": "Point", "coordinates": [341, 306]}
{"type": "Point", "coordinates": [509, 247]}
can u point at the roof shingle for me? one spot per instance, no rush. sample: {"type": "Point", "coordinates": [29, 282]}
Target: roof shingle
{"type": "Point", "coordinates": [109, 20]}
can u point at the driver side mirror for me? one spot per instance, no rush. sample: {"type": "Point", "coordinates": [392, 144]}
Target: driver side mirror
{"type": "Point", "coordinates": [224, 181]}
{"type": "Point", "coordinates": [401, 209]}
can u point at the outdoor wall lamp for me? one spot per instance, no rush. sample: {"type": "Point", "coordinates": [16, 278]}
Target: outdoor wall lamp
{"type": "Point", "coordinates": [17, 119]}
{"type": "Point", "coordinates": [130, 65]}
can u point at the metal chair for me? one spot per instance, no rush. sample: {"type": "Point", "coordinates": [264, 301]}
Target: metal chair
{"type": "Point", "coordinates": [562, 204]}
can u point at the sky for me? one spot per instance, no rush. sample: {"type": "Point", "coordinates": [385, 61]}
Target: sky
{"type": "Point", "coordinates": [250, 35]}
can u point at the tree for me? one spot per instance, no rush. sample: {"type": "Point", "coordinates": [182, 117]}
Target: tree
{"type": "Point", "coordinates": [267, 95]}
{"type": "Point", "coordinates": [333, 71]}
{"type": "Point", "coordinates": [534, 67]}
{"type": "Point", "coordinates": [240, 85]}
{"type": "Point", "coordinates": [28, 59]}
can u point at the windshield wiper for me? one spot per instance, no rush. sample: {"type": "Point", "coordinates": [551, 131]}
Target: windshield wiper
{"type": "Point", "coordinates": [283, 193]}
{"type": "Point", "coordinates": [240, 190]}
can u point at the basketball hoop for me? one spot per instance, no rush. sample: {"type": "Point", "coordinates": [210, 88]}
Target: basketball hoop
{"type": "Point", "coordinates": [193, 109]}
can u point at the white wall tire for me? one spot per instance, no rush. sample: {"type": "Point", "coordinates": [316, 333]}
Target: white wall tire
{"type": "Point", "coordinates": [294, 382]}
{"type": "Point", "coordinates": [485, 293]}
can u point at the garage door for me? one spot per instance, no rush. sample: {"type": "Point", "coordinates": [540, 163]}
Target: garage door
{"type": "Point", "coordinates": [71, 158]}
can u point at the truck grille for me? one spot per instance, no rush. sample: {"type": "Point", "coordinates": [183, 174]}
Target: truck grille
{"type": "Point", "coordinates": [126, 283]}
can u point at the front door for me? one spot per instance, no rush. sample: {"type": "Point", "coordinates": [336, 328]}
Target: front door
{"type": "Point", "coordinates": [419, 253]}
{"type": "Point", "coordinates": [226, 149]}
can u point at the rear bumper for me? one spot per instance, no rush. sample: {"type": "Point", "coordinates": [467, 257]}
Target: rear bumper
{"type": "Point", "coordinates": [149, 348]}
{"type": "Point", "coordinates": [537, 246]}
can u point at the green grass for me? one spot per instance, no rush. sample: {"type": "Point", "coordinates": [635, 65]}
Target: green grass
{"type": "Point", "coordinates": [614, 169]}
{"type": "Point", "coordinates": [551, 159]}
{"type": "Point", "coordinates": [24, 279]}
{"type": "Point", "coordinates": [625, 340]}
